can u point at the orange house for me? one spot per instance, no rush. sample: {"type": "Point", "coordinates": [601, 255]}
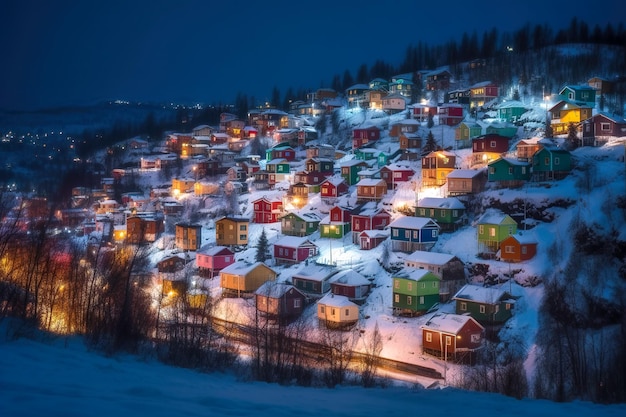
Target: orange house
{"type": "Point", "coordinates": [518, 248]}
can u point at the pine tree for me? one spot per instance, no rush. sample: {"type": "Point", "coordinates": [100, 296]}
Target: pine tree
{"type": "Point", "coordinates": [261, 248]}
{"type": "Point", "coordinates": [572, 137]}
{"type": "Point", "coordinates": [431, 144]}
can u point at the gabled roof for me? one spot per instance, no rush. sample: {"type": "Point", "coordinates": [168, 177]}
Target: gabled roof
{"type": "Point", "coordinates": [293, 241]}
{"type": "Point", "coordinates": [308, 216]}
{"type": "Point", "coordinates": [487, 295]}
{"type": "Point", "coordinates": [314, 272]}
{"type": "Point", "coordinates": [336, 301]}
{"type": "Point", "coordinates": [432, 258]}
{"type": "Point", "coordinates": [465, 173]}
{"type": "Point", "coordinates": [415, 274]}
{"type": "Point", "coordinates": [371, 182]}
{"type": "Point", "coordinates": [215, 250]}
{"type": "Point", "coordinates": [448, 323]}
{"type": "Point", "coordinates": [523, 238]}
{"type": "Point", "coordinates": [493, 216]}
{"type": "Point", "coordinates": [375, 234]}
{"type": "Point", "coordinates": [411, 222]}
{"type": "Point", "coordinates": [243, 268]}
{"type": "Point", "coordinates": [441, 202]}
{"type": "Point", "coordinates": [349, 277]}
{"type": "Point", "coordinates": [274, 289]}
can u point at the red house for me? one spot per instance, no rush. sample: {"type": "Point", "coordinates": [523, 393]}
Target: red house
{"type": "Point", "coordinates": [363, 136]}
{"type": "Point", "coordinates": [351, 284]}
{"type": "Point", "coordinates": [369, 239]}
{"type": "Point", "coordinates": [211, 260]}
{"type": "Point", "coordinates": [267, 210]}
{"type": "Point", "coordinates": [368, 217]}
{"type": "Point", "coordinates": [393, 174]}
{"type": "Point", "coordinates": [450, 114]}
{"type": "Point", "coordinates": [333, 187]}
{"type": "Point", "coordinates": [293, 249]}
{"type": "Point", "coordinates": [518, 248]}
{"type": "Point", "coordinates": [284, 152]}
{"type": "Point", "coordinates": [421, 112]}
{"type": "Point", "coordinates": [452, 337]}
{"type": "Point", "coordinates": [279, 300]}
{"type": "Point", "coordinates": [488, 148]}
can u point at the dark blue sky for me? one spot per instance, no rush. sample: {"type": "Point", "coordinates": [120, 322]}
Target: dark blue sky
{"type": "Point", "coordinates": [57, 52]}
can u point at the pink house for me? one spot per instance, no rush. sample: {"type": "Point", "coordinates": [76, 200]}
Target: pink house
{"type": "Point", "coordinates": [293, 249]}
{"type": "Point", "coordinates": [211, 260]}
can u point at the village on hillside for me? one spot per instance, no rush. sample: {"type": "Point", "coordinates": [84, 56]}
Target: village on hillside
{"type": "Point", "coordinates": [356, 211]}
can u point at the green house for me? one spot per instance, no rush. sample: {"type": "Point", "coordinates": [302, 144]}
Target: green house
{"type": "Point", "coordinates": [350, 170]}
{"type": "Point", "coordinates": [550, 163]}
{"type": "Point", "coordinates": [492, 228]}
{"type": "Point", "coordinates": [337, 224]}
{"type": "Point", "coordinates": [366, 154]}
{"type": "Point", "coordinates": [299, 223]}
{"type": "Point", "coordinates": [509, 172]}
{"type": "Point", "coordinates": [511, 111]}
{"type": "Point", "coordinates": [465, 132]}
{"type": "Point", "coordinates": [487, 305]}
{"type": "Point", "coordinates": [449, 212]}
{"type": "Point", "coordinates": [415, 291]}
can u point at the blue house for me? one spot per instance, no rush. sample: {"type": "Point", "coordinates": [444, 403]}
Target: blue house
{"type": "Point", "coordinates": [409, 233]}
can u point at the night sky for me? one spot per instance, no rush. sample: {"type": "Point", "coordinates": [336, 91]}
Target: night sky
{"type": "Point", "coordinates": [57, 52]}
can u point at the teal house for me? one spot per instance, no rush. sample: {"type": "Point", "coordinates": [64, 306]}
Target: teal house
{"type": "Point", "coordinates": [511, 111]}
{"type": "Point", "coordinates": [551, 163]}
{"type": "Point", "coordinates": [509, 172]}
{"type": "Point", "coordinates": [579, 93]}
{"type": "Point", "coordinates": [415, 291]}
{"type": "Point", "coordinates": [299, 223]}
{"type": "Point", "coordinates": [350, 170]}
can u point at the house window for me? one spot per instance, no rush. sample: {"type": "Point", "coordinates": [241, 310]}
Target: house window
{"type": "Point", "coordinates": [422, 212]}
{"type": "Point", "coordinates": [455, 213]}
{"type": "Point", "coordinates": [492, 143]}
{"type": "Point", "coordinates": [332, 311]}
{"type": "Point", "coordinates": [256, 206]}
{"type": "Point", "coordinates": [322, 309]}
{"type": "Point", "coordinates": [481, 229]}
{"type": "Point", "coordinates": [507, 306]}
{"type": "Point", "coordinates": [556, 160]}
{"type": "Point", "coordinates": [423, 285]}
{"type": "Point", "coordinates": [510, 170]}
{"type": "Point", "coordinates": [492, 170]}
{"type": "Point", "coordinates": [605, 127]}
{"type": "Point", "coordinates": [434, 233]}
{"type": "Point", "coordinates": [347, 312]}
{"type": "Point", "coordinates": [396, 283]}
{"type": "Point", "coordinates": [492, 231]}
{"type": "Point", "coordinates": [546, 161]}
{"type": "Point", "coordinates": [475, 338]}
{"type": "Point", "coordinates": [415, 234]}
{"type": "Point", "coordinates": [422, 300]}
{"type": "Point", "coordinates": [396, 298]}
{"type": "Point", "coordinates": [448, 340]}
{"type": "Point", "coordinates": [409, 286]}
{"type": "Point", "coordinates": [482, 309]}
{"type": "Point", "coordinates": [509, 249]}
{"type": "Point", "coordinates": [297, 303]}
{"type": "Point", "coordinates": [242, 228]}
{"type": "Point", "coordinates": [242, 237]}
{"type": "Point", "coordinates": [429, 337]}
{"type": "Point", "coordinates": [407, 234]}
{"type": "Point", "coordinates": [395, 232]}
{"type": "Point", "coordinates": [463, 306]}
{"type": "Point", "coordinates": [409, 300]}
{"type": "Point", "coordinates": [435, 284]}
{"type": "Point", "coordinates": [227, 258]}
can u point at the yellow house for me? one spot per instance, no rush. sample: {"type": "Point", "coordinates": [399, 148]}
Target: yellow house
{"type": "Point", "coordinates": [565, 112]}
{"type": "Point", "coordinates": [337, 311]}
{"type": "Point", "coordinates": [181, 185]}
{"type": "Point", "coordinates": [241, 279]}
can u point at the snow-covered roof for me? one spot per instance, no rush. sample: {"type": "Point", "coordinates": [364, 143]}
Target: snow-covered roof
{"type": "Point", "coordinates": [432, 258]}
{"type": "Point", "coordinates": [212, 251]}
{"type": "Point", "coordinates": [414, 274]}
{"type": "Point", "coordinates": [350, 277]}
{"type": "Point", "coordinates": [334, 300]}
{"type": "Point", "coordinates": [292, 241]}
{"type": "Point", "coordinates": [242, 268]}
{"type": "Point", "coordinates": [315, 272]}
{"type": "Point", "coordinates": [464, 173]}
{"type": "Point", "coordinates": [488, 295]}
{"type": "Point", "coordinates": [441, 202]}
{"type": "Point", "coordinates": [273, 289]}
{"type": "Point", "coordinates": [369, 182]}
{"type": "Point", "coordinates": [412, 222]}
{"type": "Point", "coordinates": [448, 323]}
{"type": "Point", "coordinates": [492, 216]}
